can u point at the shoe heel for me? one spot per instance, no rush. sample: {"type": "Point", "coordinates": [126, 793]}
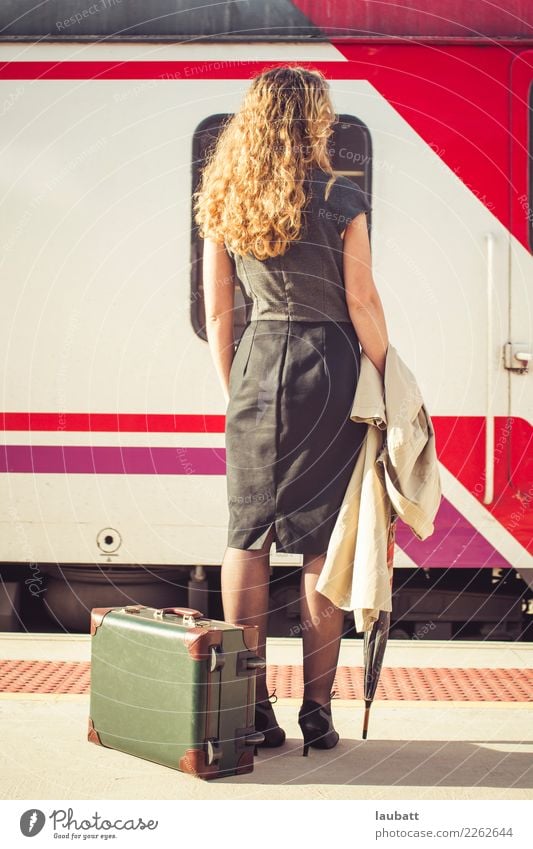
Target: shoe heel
{"type": "Point", "coordinates": [317, 728]}
{"type": "Point", "coordinates": [310, 732]}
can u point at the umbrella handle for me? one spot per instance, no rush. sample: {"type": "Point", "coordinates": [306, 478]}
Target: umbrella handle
{"type": "Point", "coordinates": [368, 704]}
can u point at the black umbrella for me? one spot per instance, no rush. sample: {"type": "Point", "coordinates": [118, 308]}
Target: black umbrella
{"type": "Point", "coordinates": [375, 640]}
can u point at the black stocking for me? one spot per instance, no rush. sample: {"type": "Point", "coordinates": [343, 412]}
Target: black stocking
{"type": "Point", "coordinates": [322, 627]}
{"type": "Point", "coordinates": [245, 581]}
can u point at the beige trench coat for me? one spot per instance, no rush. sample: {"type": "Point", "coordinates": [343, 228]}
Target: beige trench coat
{"type": "Point", "coordinates": [396, 475]}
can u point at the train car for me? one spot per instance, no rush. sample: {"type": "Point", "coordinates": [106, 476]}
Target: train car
{"type": "Point", "coordinates": [113, 462]}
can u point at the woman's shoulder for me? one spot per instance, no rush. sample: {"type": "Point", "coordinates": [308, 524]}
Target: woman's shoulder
{"type": "Point", "coordinates": [340, 203]}
{"type": "Point", "coordinates": [341, 191]}
{"type": "Point", "coordinates": [348, 193]}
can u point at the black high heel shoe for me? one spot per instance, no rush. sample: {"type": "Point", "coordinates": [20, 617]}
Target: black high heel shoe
{"type": "Point", "coordinates": [317, 726]}
{"type": "Point", "coordinates": [265, 721]}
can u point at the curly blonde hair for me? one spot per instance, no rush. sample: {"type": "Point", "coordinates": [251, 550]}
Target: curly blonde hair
{"type": "Point", "coordinates": [251, 192]}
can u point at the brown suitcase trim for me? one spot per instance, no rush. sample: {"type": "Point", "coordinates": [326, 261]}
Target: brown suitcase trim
{"type": "Point", "coordinates": [245, 762]}
{"type": "Point", "coordinates": [97, 615]}
{"type": "Point", "coordinates": [250, 636]}
{"type": "Point", "coordinates": [199, 641]}
{"type": "Point", "coordinates": [92, 736]}
{"type": "Point", "coordinates": [193, 762]}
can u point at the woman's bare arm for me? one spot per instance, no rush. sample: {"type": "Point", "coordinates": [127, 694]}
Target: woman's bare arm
{"type": "Point", "coordinates": [364, 304]}
{"type": "Point", "coordinates": [219, 300]}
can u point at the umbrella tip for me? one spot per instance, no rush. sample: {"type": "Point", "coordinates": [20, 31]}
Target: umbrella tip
{"type": "Point", "coordinates": [365, 720]}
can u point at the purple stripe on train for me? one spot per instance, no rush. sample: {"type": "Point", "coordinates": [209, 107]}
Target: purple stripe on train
{"type": "Point", "coordinates": [455, 542]}
{"type": "Point", "coordinates": [112, 460]}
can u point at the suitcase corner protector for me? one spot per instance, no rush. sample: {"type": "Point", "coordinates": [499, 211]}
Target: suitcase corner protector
{"type": "Point", "coordinates": [97, 616]}
{"type": "Point", "coordinates": [245, 762]}
{"type": "Point", "coordinates": [198, 642]}
{"type": "Point", "coordinates": [194, 763]}
{"type": "Point", "coordinates": [92, 734]}
{"type": "Point", "coordinates": [250, 636]}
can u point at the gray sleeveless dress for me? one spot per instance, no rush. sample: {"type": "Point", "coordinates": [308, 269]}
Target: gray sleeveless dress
{"type": "Point", "coordinates": [290, 444]}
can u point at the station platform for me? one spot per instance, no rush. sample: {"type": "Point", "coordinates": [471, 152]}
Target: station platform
{"type": "Point", "coordinates": [451, 720]}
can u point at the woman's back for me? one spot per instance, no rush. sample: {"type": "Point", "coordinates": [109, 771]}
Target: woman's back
{"type": "Point", "coordinates": [306, 283]}
{"type": "Point", "coordinates": [290, 444]}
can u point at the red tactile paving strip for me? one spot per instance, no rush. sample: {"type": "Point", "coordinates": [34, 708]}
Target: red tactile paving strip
{"type": "Point", "coordinates": [44, 676]}
{"type": "Point", "coordinates": [396, 682]}
{"type": "Point", "coordinates": [417, 684]}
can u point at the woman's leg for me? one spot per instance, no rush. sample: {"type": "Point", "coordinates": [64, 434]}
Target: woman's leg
{"type": "Point", "coordinates": [322, 627]}
{"type": "Point", "coordinates": [245, 578]}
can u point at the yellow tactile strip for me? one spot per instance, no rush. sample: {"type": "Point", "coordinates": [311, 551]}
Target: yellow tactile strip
{"type": "Point", "coordinates": [395, 683]}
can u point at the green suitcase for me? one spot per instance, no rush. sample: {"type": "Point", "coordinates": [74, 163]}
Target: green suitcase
{"type": "Point", "coordinates": [174, 687]}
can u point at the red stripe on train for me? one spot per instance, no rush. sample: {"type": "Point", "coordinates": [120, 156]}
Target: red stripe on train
{"type": "Point", "coordinates": [114, 422]}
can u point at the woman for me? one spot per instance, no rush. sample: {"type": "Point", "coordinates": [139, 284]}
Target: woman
{"type": "Point", "coordinates": [272, 212]}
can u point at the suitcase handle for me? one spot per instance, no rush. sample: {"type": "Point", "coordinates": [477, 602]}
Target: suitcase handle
{"type": "Point", "coordinates": [179, 611]}
{"type": "Point", "coordinates": [190, 616]}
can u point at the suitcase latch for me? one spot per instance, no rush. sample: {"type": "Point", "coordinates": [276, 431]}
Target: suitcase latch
{"type": "Point", "coordinates": [216, 658]}
{"type": "Point", "coordinates": [213, 750]}
{"type": "Point", "coordinates": [189, 621]}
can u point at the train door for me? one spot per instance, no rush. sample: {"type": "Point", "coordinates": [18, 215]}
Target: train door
{"type": "Point", "coordinates": [518, 350]}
